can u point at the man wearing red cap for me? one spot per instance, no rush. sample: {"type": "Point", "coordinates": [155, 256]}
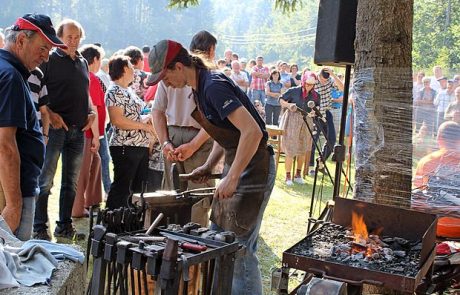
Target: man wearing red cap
{"type": "Point", "coordinates": [27, 45]}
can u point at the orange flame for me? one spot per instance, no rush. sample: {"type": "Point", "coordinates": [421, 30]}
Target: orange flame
{"type": "Point", "coordinates": [359, 227]}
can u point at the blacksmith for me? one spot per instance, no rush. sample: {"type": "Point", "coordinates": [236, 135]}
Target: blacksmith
{"type": "Point", "coordinates": [229, 117]}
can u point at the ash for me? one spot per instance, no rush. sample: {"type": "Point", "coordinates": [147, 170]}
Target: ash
{"type": "Point", "coordinates": [335, 243]}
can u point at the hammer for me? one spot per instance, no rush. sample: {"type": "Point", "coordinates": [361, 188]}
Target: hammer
{"type": "Point", "coordinates": [180, 180]}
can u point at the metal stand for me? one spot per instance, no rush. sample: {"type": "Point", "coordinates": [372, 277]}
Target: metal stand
{"type": "Point", "coordinates": [339, 149]}
{"type": "Point", "coordinates": [122, 266]}
{"type": "Point", "coordinates": [338, 156]}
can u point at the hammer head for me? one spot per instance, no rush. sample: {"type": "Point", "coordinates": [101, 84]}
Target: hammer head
{"type": "Point", "coordinates": [178, 184]}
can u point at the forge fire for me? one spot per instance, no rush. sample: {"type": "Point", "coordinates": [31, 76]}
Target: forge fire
{"type": "Point", "coordinates": [357, 248]}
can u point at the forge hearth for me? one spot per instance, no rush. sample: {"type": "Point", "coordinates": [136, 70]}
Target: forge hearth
{"type": "Point", "coordinates": [335, 243]}
{"type": "Point", "coordinates": [397, 258]}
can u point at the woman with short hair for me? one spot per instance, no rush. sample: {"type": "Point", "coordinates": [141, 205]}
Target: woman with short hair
{"type": "Point", "coordinates": [273, 89]}
{"type": "Point", "coordinates": [129, 144]}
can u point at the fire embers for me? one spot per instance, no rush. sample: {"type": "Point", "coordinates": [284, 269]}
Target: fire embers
{"type": "Point", "coordinates": [336, 243]}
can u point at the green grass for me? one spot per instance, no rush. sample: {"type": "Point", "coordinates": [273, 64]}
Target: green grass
{"type": "Point", "coordinates": [285, 221]}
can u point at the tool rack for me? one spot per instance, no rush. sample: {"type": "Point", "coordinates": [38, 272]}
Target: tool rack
{"type": "Point", "coordinates": [122, 264]}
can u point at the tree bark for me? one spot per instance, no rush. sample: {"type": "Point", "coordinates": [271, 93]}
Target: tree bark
{"type": "Point", "coordinates": [383, 100]}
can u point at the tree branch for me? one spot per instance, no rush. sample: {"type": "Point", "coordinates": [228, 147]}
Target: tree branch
{"type": "Point", "coordinates": [285, 6]}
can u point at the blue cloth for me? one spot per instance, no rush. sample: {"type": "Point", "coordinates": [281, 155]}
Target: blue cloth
{"type": "Point", "coordinates": [32, 262]}
{"type": "Point", "coordinates": [28, 266]}
{"type": "Point", "coordinates": [218, 97]}
{"type": "Point", "coordinates": [105, 161]}
{"type": "Point", "coordinates": [275, 88]}
{"type": "Point", "coordinates": [59, 251]}
{"type": "Point", "coordinates": [17, 110]}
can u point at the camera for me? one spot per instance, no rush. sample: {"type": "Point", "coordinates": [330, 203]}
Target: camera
{"type": "Point", "coordinates": [325, 74]}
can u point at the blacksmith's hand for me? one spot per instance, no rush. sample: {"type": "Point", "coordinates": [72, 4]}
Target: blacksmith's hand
{"type": "Point", "coordinates": [56, 121]}
{"type": "Point", "coordinates": [226, 188]}
{"type": "Point", "coordinates": [89, 121]}
{"type": "Point", "coordinates": [200, 174]}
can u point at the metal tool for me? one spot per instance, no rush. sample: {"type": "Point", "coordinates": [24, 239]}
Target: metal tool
{"type": "Point", "coordinates": [123, 261]}
{"type": "Point", "coordinates": [180, 180]}
{"type": "Point", "coordinates": [138, 263]}
{"type": "Point", "coordinates": [98, 278]}
{"type": "Point", "coordinates": [154, 224]}
{"type": "Point", "coordinates": [142, 238]}
{"type": "Point", "coordinates": [192, 247]}
{"type": "Point", "coordinates": [190, 226]}
{"type": "Point", "coordinates": [110, 258]}
{"type": "Point", "coordinates": [168, 271]}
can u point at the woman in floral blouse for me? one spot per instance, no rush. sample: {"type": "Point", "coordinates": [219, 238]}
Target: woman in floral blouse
{"type": "Point", "coordinates": [129, 144]}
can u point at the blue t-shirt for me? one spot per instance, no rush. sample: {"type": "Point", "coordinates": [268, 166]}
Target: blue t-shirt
{"type": "Point", "coordinates": [218, 97]}
{"type": "Point", "coordinates": [17, 110]}
{"type": "Point", "coordinates": [335, 93]}
{"type": "Point", "coordinates": [275, 88]}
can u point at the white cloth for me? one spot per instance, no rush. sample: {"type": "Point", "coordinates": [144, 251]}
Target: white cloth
{"type": "Point", "coordinates": [177, 104]}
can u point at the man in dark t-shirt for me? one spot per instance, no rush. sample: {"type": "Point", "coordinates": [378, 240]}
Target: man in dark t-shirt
{"type": "Point", "coordinates": [28, 43]}
{"type": "Point", "coordinates": [71, 113]}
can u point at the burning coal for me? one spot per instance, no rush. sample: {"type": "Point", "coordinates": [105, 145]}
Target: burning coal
{"type": "Point", "coordinates": [356, 247]}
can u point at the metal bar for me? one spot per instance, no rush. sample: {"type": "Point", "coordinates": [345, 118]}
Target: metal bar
{"type": "Point", "coordinates": [312, 203]}
{"type": "Point", "coordinates": [212, 266]}
{"type": "Point", "coordinates": [131, 272]}
{"type": "Point", "coordinates": [204, 277]}
{"type": "Point", "coordinates": [146, 285]}
{"type": "Point", "coordinates": [343, 121]}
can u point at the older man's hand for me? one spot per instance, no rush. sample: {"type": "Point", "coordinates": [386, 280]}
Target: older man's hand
{"type": "Point", "coordinates": [12, 215]}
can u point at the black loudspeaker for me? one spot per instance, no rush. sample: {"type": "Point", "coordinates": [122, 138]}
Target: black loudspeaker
{"type": "Point", "coordinates": [335, 32]}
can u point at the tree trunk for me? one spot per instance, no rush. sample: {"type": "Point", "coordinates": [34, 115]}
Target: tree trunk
{"type": "Point", "coordinates": [383, 100]}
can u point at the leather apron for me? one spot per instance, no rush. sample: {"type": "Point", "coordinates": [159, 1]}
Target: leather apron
{"type": "Point", "coordinates": [238, 213]}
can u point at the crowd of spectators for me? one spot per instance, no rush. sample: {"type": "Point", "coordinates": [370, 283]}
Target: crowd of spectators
{"type": "Point", "coordinates": [95, 110]}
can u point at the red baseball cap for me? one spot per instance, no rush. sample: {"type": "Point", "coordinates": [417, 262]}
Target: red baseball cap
{"type": "Point", "coordinates": [41, 24]}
